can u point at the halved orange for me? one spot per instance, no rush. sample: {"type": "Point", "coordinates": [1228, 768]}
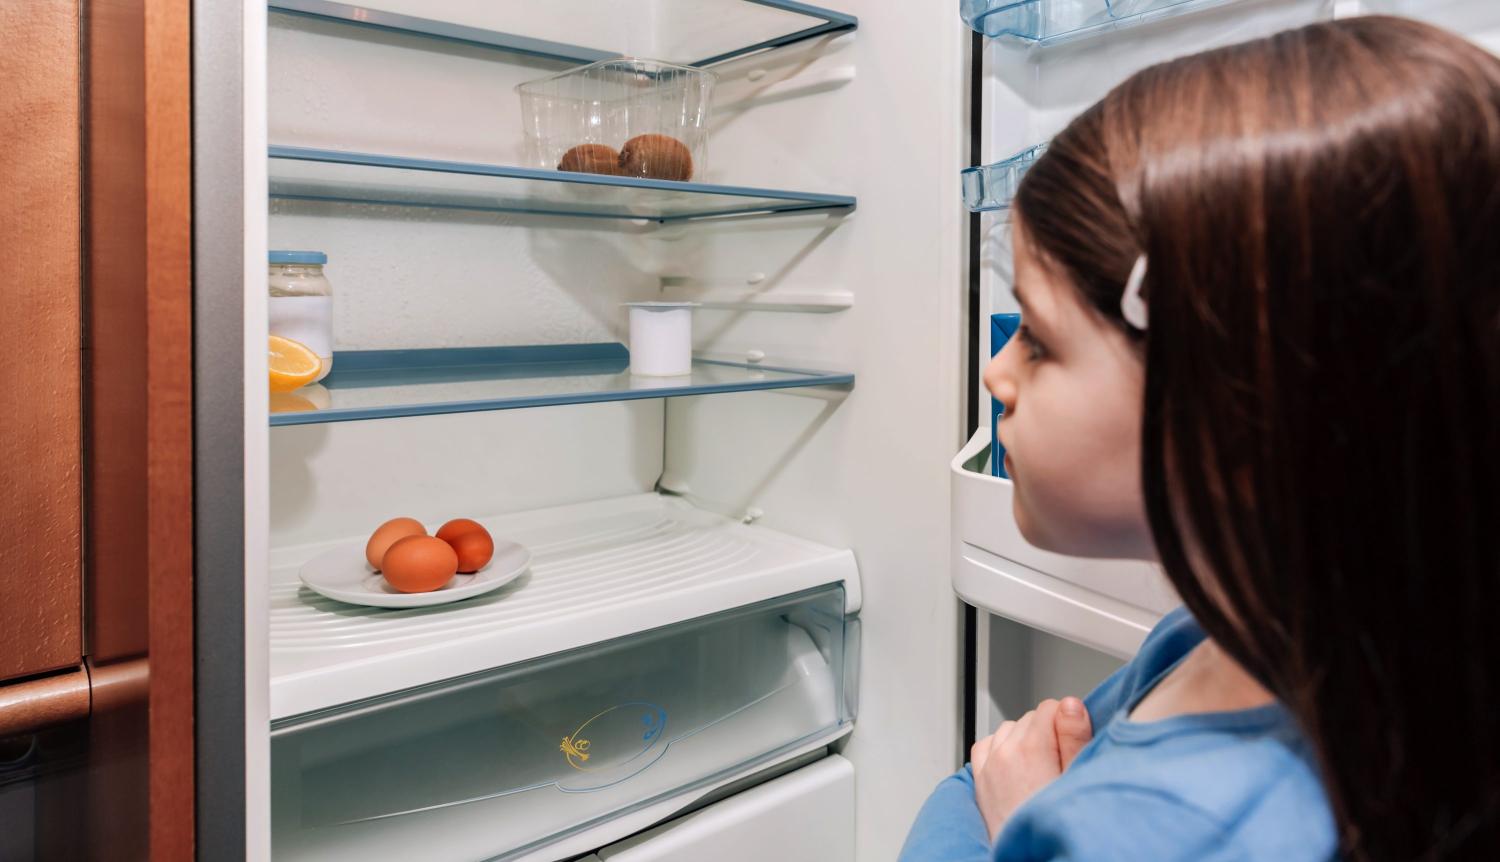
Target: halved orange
{"type": "Point", "coordinates": [293, 364]}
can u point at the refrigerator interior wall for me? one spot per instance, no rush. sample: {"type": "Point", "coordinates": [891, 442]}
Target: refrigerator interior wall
{"type": "Point", "coordinates": [1021, 666]}
{"type": "Point", "coordinates": [1475, 20]}
{"type": "Point", "coordinates": [863, 471]}
{"type": "Point", "coordinates": [877, 114]}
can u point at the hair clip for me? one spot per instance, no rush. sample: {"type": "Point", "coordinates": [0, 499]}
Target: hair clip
{"type": "Point", "coordinates": [1131, 304]}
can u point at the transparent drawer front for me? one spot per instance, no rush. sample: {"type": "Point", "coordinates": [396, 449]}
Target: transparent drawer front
{"type": "Point", "coordinates": [496, 763]}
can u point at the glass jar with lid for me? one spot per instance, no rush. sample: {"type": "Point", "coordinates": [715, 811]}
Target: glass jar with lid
{"type": "Point", "coordinates": [300, 306]}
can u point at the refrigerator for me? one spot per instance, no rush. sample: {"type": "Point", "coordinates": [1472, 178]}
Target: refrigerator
{"type": "Point", "coordinates": [770, 603]}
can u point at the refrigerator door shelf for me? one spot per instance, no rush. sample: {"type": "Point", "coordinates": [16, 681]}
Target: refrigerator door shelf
{"type": "Point", "coordinates": [503, 763]}
{"type": "Point", "coordinates": [583, 31]}
{"type": "Point", "coordinates": [600, 570]}
{"type": "Point", "coordinates": [1108, 605]}
{"type": "Point", "coordinates": [988, 188]}
{"type": "Point", "coordinates": [1051, 21]}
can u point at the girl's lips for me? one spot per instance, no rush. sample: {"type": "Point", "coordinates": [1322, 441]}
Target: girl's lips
{"type": "Point", "coordinates": [1010, 467]}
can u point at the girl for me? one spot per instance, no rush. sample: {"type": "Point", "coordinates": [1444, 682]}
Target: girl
{"type": "Point", "coordinates": [1261, 295]}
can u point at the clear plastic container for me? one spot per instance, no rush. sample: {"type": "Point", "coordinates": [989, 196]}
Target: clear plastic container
{"type": "Point", "coordinates": [300, 306]}
{"type": "Point", "coordinates": [500, 762]}
{"type": "Point", "coordinates": [622, 117]}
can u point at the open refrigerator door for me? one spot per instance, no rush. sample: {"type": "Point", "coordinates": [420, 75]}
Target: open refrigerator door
{"type": "Point", "coordinates": [1047, 625]}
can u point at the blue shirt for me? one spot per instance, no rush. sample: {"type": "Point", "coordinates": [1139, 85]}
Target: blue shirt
{"type": "Point", "coordinates": [1215, 786]}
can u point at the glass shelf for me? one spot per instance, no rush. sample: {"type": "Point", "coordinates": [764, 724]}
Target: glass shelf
{"type": "Point", "coordinates": [1049, 21]}
{"type": "Point", "coordinates": [687, 32]}
{"type": "Point", "coordinates": [380, 384]}
{"type": "Point", "coordinates": [992, 187]}
{"type": "Point", "coordinates": [301, 173]}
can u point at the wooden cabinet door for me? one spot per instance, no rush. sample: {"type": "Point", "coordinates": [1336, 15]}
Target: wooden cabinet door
{"type": "Point", "coordinates": [96, 520]}
{"type": "Point", "coordinates": [41, 342]}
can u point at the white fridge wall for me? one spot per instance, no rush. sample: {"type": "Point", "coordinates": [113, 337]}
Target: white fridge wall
{"type": "Point", "coordinates": [413, 277]}
{"type": "Point", "coordinates": [337, 86]}
{"type": "Point", "coordinates": [879, 115]}
{"type": "Point", "coordinates": [1021, 666]}
{"type": "Point", "coordinates": [1476, 20]}
{"type": "Point", "coordinates": [344, 478]}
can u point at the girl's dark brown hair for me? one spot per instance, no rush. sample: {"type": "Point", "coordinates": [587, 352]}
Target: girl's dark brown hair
{"type": "Point", "coordinates": [1321, 445]}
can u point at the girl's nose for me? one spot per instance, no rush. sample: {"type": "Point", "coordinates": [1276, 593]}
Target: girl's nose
{"type": "Point", "coordinates": [1000, 379]}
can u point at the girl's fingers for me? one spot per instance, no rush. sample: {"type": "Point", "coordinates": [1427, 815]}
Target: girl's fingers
{"type": "Point", "coordinates": [1041, 734]}
{"type": "Point", "coordinates": [1074, 730]}
{"type": "Point", "coordinates": [1003, 731]}
{"type": "Point", "coordinates": [1020, 731]}
{"type": "Point", "coordinates": [979, 752]}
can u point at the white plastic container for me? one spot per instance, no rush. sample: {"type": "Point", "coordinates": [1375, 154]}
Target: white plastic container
{"type": "Point", "coordinates": [661, 338]}
{"type": "Point", "coordinates": [300, 305]}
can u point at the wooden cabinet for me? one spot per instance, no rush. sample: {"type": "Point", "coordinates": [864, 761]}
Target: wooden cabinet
{"type": "Point", "coordinates": [96, 518]}
{"type": "Point", "coordinates": [41, 491]}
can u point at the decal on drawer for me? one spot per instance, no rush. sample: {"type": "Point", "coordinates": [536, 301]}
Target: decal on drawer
{"type": "Point", "coordinates": [615, 742]}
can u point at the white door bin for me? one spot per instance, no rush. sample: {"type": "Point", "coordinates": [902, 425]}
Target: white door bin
{"type": "Point", "coordinates": [1108, 605]}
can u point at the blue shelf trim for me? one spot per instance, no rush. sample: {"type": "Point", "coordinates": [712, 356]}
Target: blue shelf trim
{"type": "Point", "coordinates": [830, 22]}
{"type": "Point", "coordinates": [988, 188]}
{"type": "Point", "coordinates": [1050, 21]}
{"type": "Point", "coordinates": [785, 201]}
{"type": "Point", "coordinates": [355, 370]}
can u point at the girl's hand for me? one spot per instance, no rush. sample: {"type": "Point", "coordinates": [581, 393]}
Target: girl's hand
{"type": "Point", "coordinates": [1022, 757]}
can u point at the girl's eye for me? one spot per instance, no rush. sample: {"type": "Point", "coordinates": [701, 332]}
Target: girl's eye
{"type": "Point", "coordinates": [1034, 349]}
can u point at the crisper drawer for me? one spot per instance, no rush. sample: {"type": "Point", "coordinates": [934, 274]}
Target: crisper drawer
{"type": "Point", "coordinates": [501, 762]}
{"type": "Point", "coordinates": [804, 816]}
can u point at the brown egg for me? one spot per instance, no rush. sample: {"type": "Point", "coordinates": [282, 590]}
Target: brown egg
{"type": "Point", "coordinates": [470, 541]}
{"type": "Point", "coordinates": [656, 156]}
{"type": "Point", "coordinates": [388, 534]}
{"type": "Point", "coordinates": [419, 564]}
{"type": "Point", "coordinates": [591, 159]}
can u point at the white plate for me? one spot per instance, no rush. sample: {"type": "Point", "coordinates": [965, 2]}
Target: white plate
{"type": "Point", "coordinates": [343, 574]}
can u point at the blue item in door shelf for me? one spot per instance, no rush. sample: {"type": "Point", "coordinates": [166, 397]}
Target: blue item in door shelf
{"type": "Point", "coordinates": [1002, 327]}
